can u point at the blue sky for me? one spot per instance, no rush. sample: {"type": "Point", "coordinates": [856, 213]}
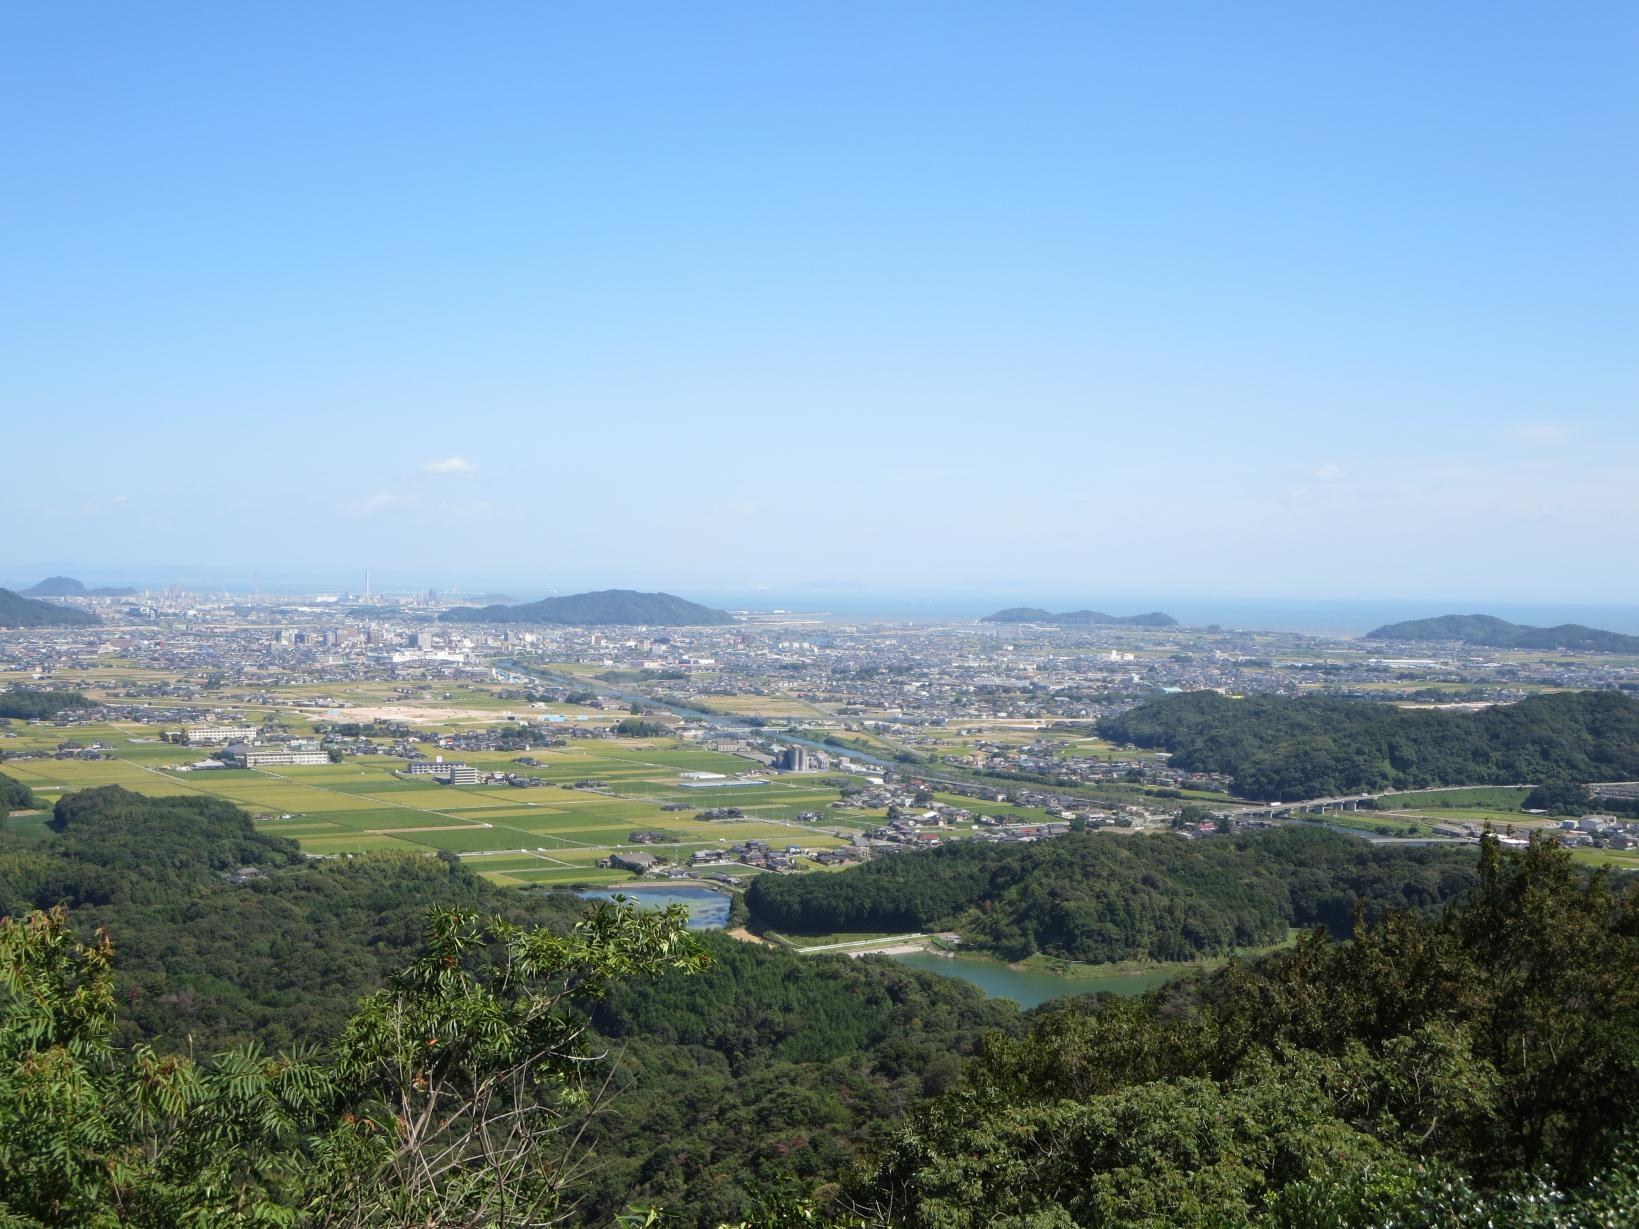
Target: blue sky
{"type": "Point", "coordinates": [1250, 300]}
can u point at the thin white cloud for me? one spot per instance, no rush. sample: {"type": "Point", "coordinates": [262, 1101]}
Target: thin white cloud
{"type": "Point", "coordinates": [1331, 473]}
{"type": "Point", "coordinates": [119, 499]}
{"type": "Point", "coordinates": [450, 465]}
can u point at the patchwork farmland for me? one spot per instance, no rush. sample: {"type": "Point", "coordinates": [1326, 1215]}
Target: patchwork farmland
{"type": "Point", "coordinates": [555, 833]}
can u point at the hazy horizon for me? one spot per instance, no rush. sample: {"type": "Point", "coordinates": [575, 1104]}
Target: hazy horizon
{"type": "Point", "coordinates": [1207, 300]}
{"type": "Point", "coordinates": [1288, 613]}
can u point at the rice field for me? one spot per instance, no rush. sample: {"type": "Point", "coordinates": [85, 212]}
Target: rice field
{"type": "Point", "coordinates": [553, 833]}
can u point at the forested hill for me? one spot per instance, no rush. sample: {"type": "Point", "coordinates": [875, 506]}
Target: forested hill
{"type": "Point", "coordinates": [765, 1064]}
{"type": "Point", "coordinates": [1374, 1082]}
{"type": "Point", "coordinates": [1280, 748]}
{"type": "Point", "coordinates": [67, 586]}
{"type": "Point", "coordinates": [1479, 1068]}
{"type": "Point", "coordinates": [609, 607]}
{"type": "Point", "coordinates": [277, 959]}
{"type": "Point", "coordinates": [769, 1066]}
{"type": "Point", "coordinates": [1079, 618]}
{"type": "Point", "coordinates": [1097, 897]}
{"type": "Point", "coordinates": [1498, 633]}
{"type": "Point", "coordinates": [19, 611]}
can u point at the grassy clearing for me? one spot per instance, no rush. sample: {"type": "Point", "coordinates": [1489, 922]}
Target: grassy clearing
{"type": "Point", "coordinates": [1484, 798]}
{"type": "Point", "coordinates": [801, 941]}
{"type": "Point", "coordinates": [1617, 858]}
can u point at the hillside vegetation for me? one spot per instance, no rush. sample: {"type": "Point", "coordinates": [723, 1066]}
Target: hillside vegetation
{"type": "Point", "coordinates": [1280, 748]}
{"type": "Point", "coordinates": [30, 704]}
{"type": "Point", "coordinates": [613, 607]}
{"type": "Point", "coordinates": [1498, 633]}
{"type": "Point", "coordinates": [769, 1068]}
{"type": "Point", "coordinates": [15, 796]}
{"type": "Point", "coordinates": [759, 1067]}
{"type": "Point", "coordinates": [19, 611]}
{"type": "Point", "coordinates": [1096, 897]}
{"type": "Point", "coordinates": [1475, 1069]}
{"type": "Point", "coordinates": [278, 959]}
{"type": "Point", "coordinates": [1478, 1067]}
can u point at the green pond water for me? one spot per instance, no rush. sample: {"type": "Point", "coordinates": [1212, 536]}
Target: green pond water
{"type": "Point", "coordinates": [708, 910]}
{"type": "Point", "coordinates": [1029, 989]}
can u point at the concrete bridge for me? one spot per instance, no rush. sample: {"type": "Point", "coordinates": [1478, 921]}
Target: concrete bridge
{"type": "Point", "coordinates": [1351, 802]}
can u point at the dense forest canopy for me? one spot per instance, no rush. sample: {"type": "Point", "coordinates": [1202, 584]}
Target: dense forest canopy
{"type": "Point", "coordinates": [31, 705]}
{"type": "Point", "coordinates": [1478, 1068]}
{"type": "Point", "coordinates": [15, 796]}
{"type": "Point", "coordinates": [1371, 1081]}
{"type": "Point", "coordinates": [279, 958]}
{"type": "Point", "coordinates": [1493, 632]}
{"type": "Point", "coordinates": [762, 1066]}
{"type": "Point", "coordinates": [1098, 897]}
{"type": "Point", "coordinates": [19, 611]}
{"type": "Point", "coordinates": [769, 1068]}
{"type": "Point", "coordinates": [456, 1094]}
{"type": "Point", "coordinates": [611, 607]}
{"type": "Point", "coordinates": [1281, 748]}
{"type": "Point", "coordinates": [640, 727]}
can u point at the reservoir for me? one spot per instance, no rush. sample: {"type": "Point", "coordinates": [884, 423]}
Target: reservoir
{"type": "Point", "coordinates": [1030, 989]}
{"type": "Point", "coordinates": [708, 908]}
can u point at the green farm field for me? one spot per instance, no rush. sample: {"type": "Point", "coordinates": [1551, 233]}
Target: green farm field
{"type": "Point", "coordinates": [595, 792]}
{"type": "Point", "coordinates": [554, 833]}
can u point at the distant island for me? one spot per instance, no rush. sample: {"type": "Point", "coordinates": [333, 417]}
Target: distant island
{"type": "Point", "coordinates": [1079, 618]}
{"type": "Point", "coordinates": [67, 586]}
{"type": "Point", "coordinates": [609, 607]}
{"type": "Point", "coordinates": [19, 611]}
{"type": "Point", "coordinates": [1500, 634]}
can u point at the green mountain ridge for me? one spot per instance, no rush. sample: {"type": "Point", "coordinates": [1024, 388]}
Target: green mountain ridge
{"type": "Point", "coordinates": [607, 607]}
{"type": "Point", "coordinates": [1492, 632]}
{"type": "Point", "coordinates": [1079, 618]}
{"type": "Point", "coordinates": [1287, 748]}
{"type": "Point", "coordinates": [1096, 898]}
{"type": "Point", "coordinates": [19, 611]}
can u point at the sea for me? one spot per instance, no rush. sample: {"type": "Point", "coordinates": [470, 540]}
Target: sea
{"type": "Point", "coordinates": [1307, 616]}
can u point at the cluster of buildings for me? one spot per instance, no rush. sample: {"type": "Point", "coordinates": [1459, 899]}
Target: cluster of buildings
{"type": "Point", "coordinates": [1590, 831]}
